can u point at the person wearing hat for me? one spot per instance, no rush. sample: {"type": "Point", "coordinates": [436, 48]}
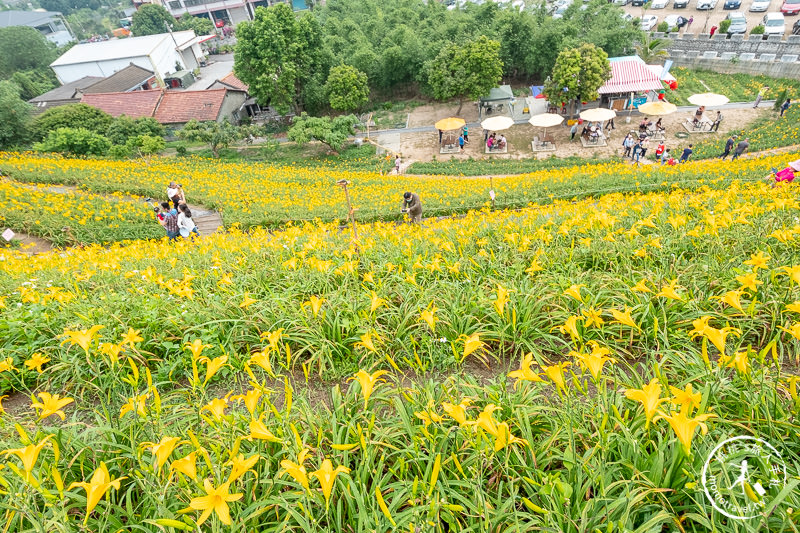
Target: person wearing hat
{"type": "Point", "coordinates": [761, 94]}
{"type": "Point", "coordinates": [412, 206]}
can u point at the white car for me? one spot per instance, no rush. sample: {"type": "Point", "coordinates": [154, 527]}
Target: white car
{"type": "Point", "coordinates": [672, 21]}
{"type": "Point", "coordinates": [760, 5]}
{"type": "Point", "coordinates": [649, 22]}
{"type": "Point", "coordinates": [622, 2]}
{"type": "Point", "coordinates": [658, 4]}
{"type": "Point", "coordinates": [738, 22]}
{"type": "Point", "coordinates": [706, 4]}
{"type": "Point", "coordinates": [774, 24]}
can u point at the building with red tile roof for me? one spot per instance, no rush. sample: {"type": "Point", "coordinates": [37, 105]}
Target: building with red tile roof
{"type": "Point", "coordinates": [135, 104]}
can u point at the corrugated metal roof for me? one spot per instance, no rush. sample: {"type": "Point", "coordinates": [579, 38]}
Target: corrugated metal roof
{"type": "Point", "coordinates": [66, 91]}
{"type": "Point", "coordinates": [26, 18]}
{"type": "Point", "coordinates": [122, 80]}
{"type": "Point", "coordinates": [119, 48]}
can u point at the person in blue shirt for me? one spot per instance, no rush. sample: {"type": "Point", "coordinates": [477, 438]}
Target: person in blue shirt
{"type": "Point", "coordinates": [685, 155]}
{"type": "Point", "coordinates": [461, 142]}
{"type": "Point", "coordinates": [785, 106]}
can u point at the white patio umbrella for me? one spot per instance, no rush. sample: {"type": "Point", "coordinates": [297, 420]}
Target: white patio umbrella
{"type": "Point", "coordinates": [598, 114]}
{"type": "Point", "coordinates": [708, 99]}
{"type": "Point", "coordinates": [497, 123]}
{"type": "Point", "coordinates": [546, 120]}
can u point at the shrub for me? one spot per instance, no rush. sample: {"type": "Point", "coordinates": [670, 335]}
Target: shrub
{"type": "Point", "coordinates": [758, 30]}
{"type": "Point", "coordinates": [78, 141]}
{"type": "Point", "coordinates": [663, 27]}
{"type": "Point", "coordinates": [72, 116]}
{"type": "Point", "coordinates": [125, 128]}
{"type": "Point", "coordinates": [724, 26]}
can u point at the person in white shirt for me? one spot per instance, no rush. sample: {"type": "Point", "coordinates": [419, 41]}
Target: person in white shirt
{"type": "Point", "coordinates": [175, 193]}
{"type": "Point", "coordinates": [186, 225]}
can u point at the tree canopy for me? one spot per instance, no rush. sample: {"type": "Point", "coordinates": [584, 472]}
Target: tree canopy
{"type": "Point", "coordinates": [24, 49]}
{"type": "Point", "coordinates": [466, 70]}
{"type": "Point", "coordinates": [577, 75]}
{"type": "Point", "coordinates": [14, 116]}
{"type": "Point", "coordinates": [277, 54]}
{"type": "Point", "coordinates": [72, 116]}
{"type": "Point", "coordinates": [151, 19]}
{"type": "Point", "coordinates": [347, 88]}
{"type": "Point", "coordinates": [332, 132]}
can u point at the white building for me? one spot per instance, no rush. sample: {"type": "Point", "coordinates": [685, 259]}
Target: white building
{"type": "Point", "coordinates": [230, 12]}
{"type": "Point", "coordinates": [49, 23]}
{"type": "Point", "coordinates": [164, 54]}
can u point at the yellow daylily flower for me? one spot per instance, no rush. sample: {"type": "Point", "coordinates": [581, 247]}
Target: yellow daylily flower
{"type": "Point", "coordinates": [132, 337]}
{"type": "Point", "coordinates": [186, 466]}
{"type": "Point", "coordinates": [112, 351]}
{"type": "Point", "coordinates": [624, 317]}
{"type": "Point", "coordinates": [250, 399]}
{"type": "Point", "coordinates": [684, 427]}
{"type": "Point", "coordinates": [241, 465]}
{"type": "Point", "coordinates": [570, 327]}
{"type": "Point", "coordinates": [595, 360]}
{"type": "Point", "coordinates": [429, 317]}
{"type": "Point", "coordinates": [260, 431]}
{"type": "Point", "coordinates": [162, 450]}
{"type": "Point", "coordinates": [97, 486]}
{"type": "Point", "coordinates": [2, 410]}
{"type": "Point", "coordinates": [556, 374]}
{"type": "Point", "coordinates": [525, 373]}
{"type": "Point", "coordinates": [261, 359]}
{"type": "Point", "coordinates": [574, 291]}
{"type": "Point", "coordinates": [592, 317]}
{"type": "Point", "coordinates": [196, 347]}
{"type": "Point", "coordinates": [81, 337]}
{"type": "Point", "coordinates": [366, 342]}
{"type": "Point", "coordinates": [368, 382]}
{"type": "Point", "coordinates": [6, 365]}
{"type": "Point", "coordinates": [427, 417]}
{"type": "Point", "coordinates": [458, 412]}
{"type": "Point", "coordinates": [296, 470]}
{"type": "Point", "coordinates": [216, 407]}
{"type": "Point", "coordinates": [135, 405]}
{"type": "Point", "coordinates": [504, 438]}
{"type": "Point", "coordinates": [51, 404]}
{"type": "Point", "coordinates": [485, 420]}
{"type": "Point", "coordinates": [216, 500]}
{"type": "Point", "coordinates": [749, 281]}
{"type": "Point", "coordinates": [649, 396]}
{"type": "Point", "coordinates": [28, 455]}
{"type": "Point", "coordinates": [670, 291]}
{"type": "Point", "coordinates": [641, 286]}
{"type": "Point", "coordinates": [793, 272]}
{"type": "Point", "coordinates": [472, 343]}
{"type": "Point", "coordinates": [501, 300]}
{"type": "Point", "coordinates": [793, 330]}
{"type": "Point", "coordinates": [375, 302]}
{"type": "Point", "coordinates": [212, 365]}
{"type": "Point", "coordinates": [316, 304]}
{"type": "Point", "coordinates": [739, 360]}
{"type": "Point", "coordinates": [686, 398]}
{"type": "Point", "coordinates": [758, 260]}
{"type": "Point", "coordinates": [36, 361]}
{"type": "Point", "coordinates": [732, 298]}
{"type": "Point", "coordinates": [793, 307]}
{"type": "Point", "coordinates": [247, 301]}
{"type": "Point", "coordinates": [326, 476]}
{"type": "Point", "coordinates": [717, 337]}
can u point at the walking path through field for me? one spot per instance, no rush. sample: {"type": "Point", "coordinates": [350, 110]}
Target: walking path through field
{"type": "Point", "coordinates": [207, 220]}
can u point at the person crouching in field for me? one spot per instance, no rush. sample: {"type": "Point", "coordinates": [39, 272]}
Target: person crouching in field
{"type": "Point", "coordinates": [412, 206]}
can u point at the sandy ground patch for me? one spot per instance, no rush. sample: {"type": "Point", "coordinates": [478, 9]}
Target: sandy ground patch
{"type": "Point", "coordinates": [426, 115]}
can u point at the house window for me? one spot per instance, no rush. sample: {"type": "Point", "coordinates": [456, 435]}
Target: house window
{"type": "Point", "coordinates": [175, 4]}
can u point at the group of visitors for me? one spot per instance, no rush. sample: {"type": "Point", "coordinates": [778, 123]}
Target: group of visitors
{"type": "Point", "coordinates": [741, 148]}
{"type": "Point", "coordinates": [176, 219]}
{"type": "Point", "coordinates": [493, 142]}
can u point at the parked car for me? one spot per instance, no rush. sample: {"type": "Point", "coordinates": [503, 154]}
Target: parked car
{"type": "Point", "coordinates": [649, 22]}
{"type": "Point", "coordinates": [791, 7]}
{"type": "Point", "coordinates": [706, 4]}
{"type": "Point", "coordinates": [738, 22]}
{"type": "Point", "coordinates": [621, 2]}
{"type": "Point", "coordinates": [675, 22]}
{"type": "Point", "coordinates": [796, 28]}
{"type": "Point", "coordinates": [637, 2]}
{"type": "Point", "coordinates": [659, 4]}
{"type": "Point", "coordinates": [732, 4]}
{"type": "Point", "coordinates": [677, 4]}
{"type": "Point", "coordinates": [774, 24]}
{"type": "Point", "coordinates": [759, 5]}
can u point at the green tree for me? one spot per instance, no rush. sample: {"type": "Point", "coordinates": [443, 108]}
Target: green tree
{"type": "Point", "coordinates": [276, 55]}
{"type": "Point", "coordinates": [200, 25]}
{"type": "Point", "coordinates": [124, 128]}
{"type": "Point", "coordinates": [78, 141]}
{"type": "Point", "coordinates": [652, 50]}
{"type": "Point", "coordinates": [347, 88]}
{"type": "Point", "coordinates": [468, 70]}
{"type": "Point", "coordinates": [332, 132]}
{"type": "Point", "coordinates": [578, 73]}
{"type": "Point", "coordinates": [14, 116]}
{"type": "Point", "coordinates": [151, 19]}
{"type": "Point", "coordinates": [24, 49]}
{"type": "Point", "coordinates": [72, 116]}
{"type": "Point", "coordinates": [145, 146]}
{"type": "Point", "coordinates": [516, 33]}
{"type": "Point", "coordinates": [216, 134]}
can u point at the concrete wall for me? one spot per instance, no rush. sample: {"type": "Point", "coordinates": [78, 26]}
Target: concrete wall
{"type": "Point", "coordinates": [773, 56]}
{"type": "Point", "coordinates": [230, 106]}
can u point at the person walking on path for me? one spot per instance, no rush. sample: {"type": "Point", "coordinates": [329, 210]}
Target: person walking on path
{"type": "Point", "coordinates": [717, 120]}
{"type": "Point", "coordinates": [785, 106]}
{"type": "Point", "coordinates": [397, 164]}
{"type": "Point", "coordinates": [573, 131]}
{"type": "Point", "coordinates": [687, 152]}
{"type": "Point", "coordinates": [728, 147]}
{"type": "Point", "coordinates": [689, 24]}
{"type": "Point", "coordinates": [740, 149]}
{"type": "Point", "coordinates": [610, 124]}
{"type": "Point", "coordinates": [644, 144]}
{"type": "Point", "coordinates": [461, 141]}
{"type": "Point", "coordinates": [412, 206]}
{"type": "Point", "coordinates": [761, 94]}
{"type": "Point", "coordinates": [440, 137]}
{"type": "Point", "coordinates": [637, 152]}
{"type": "Point", "coordinates": [627, 143]}
{"type": "Point", "coordinates": [465, 133]}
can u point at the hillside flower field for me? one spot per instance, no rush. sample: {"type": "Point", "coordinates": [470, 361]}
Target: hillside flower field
{"type": "Point", "coordinates": [562, 367]}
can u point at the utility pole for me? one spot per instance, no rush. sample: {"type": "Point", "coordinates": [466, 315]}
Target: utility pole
{"type": "Point", "coordinates": [350, 211]}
